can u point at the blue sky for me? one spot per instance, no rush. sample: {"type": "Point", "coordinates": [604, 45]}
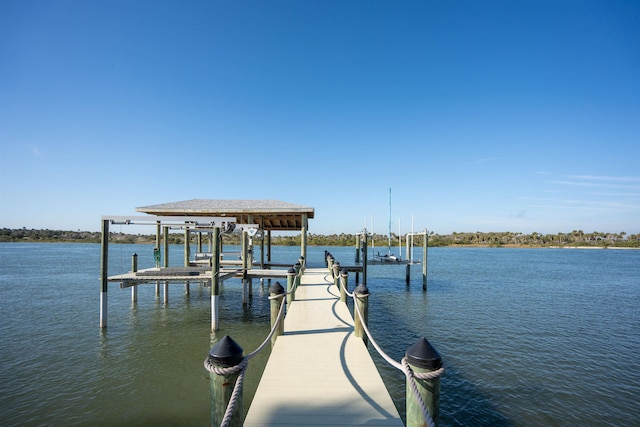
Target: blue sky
{"type": "Point", "coordinates": [479, 115]}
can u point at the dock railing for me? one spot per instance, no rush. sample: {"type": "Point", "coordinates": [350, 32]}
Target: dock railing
{"type": "Point", "coordinates": [422, 364]}
{"type": "Point", "coordinates": [227, 365]}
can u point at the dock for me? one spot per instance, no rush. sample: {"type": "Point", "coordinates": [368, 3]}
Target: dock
{"type": "Point", "coordinates": [318, 372]}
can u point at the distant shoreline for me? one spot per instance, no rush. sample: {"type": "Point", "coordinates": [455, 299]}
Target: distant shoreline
{"type": "Point", "coordinates": [577, 239]}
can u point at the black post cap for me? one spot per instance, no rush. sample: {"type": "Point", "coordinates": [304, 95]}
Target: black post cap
{"type": "Point", "coordinates": [276, 289]}
{"type": "Point", "coordinates": [361, 289]}
{"type": "Point", "coordinates": [226, 353]}
{"type": "Point", "coordinates": [291, 271]}
{"type": "Point", "coordinates": [344, 272]}
{"type": "Point", "coordinates": [423, 355]}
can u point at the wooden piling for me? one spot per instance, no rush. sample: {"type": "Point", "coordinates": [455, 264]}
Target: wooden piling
{"type": "Point", "coordinates": [407, 273]}
{"type": "Point", "coordinates": [304, 219]}
{"type": "Point", "coordinates": [298, 269]}
{"type": "Point", "coordinates": [187, 246]}
{"type": "Point", "coordinates": [425, 250]}
{"type": "Point", "coordinates": [104, 273]}
{"type": "Point", "coordinates": [344, 275]}
{"type": "Point", "coordinates": [362, 300]}
{"type": "Point", "coordinates": [365, 244]}
{"type": "Point", "coordinates": [245, 266]}
{"type": "Point", "coordinates": [291, 281]}
{"type": "Point", "coordinates": [215, 278]}
{"type": "Point", "coordinates": [187, 255]}
{"type": "Point", "coordinates": [165, 238]}
{"type": "Point", "coordinates": [422, 357]}
{"type": "Point", "coordinates": [225, 354]}
{"type": "Point", "coordinates": [275, 290]}
{"type": "Point", "coordinates": [134, 268]}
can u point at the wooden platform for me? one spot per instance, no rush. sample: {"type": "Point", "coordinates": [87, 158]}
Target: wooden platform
{"type": "Point", "coordinates": [318, 373]}
{"type": "Point", "coordinates": [190, 274]}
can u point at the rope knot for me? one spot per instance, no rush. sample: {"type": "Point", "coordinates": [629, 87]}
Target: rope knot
{"type": "Point", "coordinates": [219, 370]}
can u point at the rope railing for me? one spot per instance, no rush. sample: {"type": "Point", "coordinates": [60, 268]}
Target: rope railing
{"type": "Point", "coordinates": [403, 365]}
{"type": "Point", "coordinates": [240, 367]}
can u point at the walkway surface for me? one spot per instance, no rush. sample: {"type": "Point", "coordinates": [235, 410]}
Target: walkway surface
{"type": "Point", "coordinates": [319, 373]}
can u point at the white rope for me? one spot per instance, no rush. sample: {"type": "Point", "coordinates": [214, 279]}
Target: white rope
{"type": "Point", "coordinates": [403, 366]}
{"type": "Point", "coordinates": [273, 329]}
{"type": "Point", "coordinates": [384, 355]}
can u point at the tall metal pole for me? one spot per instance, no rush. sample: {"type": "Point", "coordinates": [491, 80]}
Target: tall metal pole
{"type": "Point", "coordinates": [389, 221]}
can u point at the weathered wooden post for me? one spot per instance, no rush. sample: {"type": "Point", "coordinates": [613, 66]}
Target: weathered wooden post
{"type": "Point", "coordinates": [165, 241]}
{"type": "Point", "coordinates": [187, 246]}
{"type": "Point", "coordinates": [222, 356]}
{"type": "Point", "coordinates": [156, 253]}
{"type": "Point", "coordinates": [104, 272]}
{"type": "Point", "coordinates": [262, 245]}
{"type": "Point", "coordinates": [304, 220]}
{"type": "Point", "coordinates": [275, 292]}
{"type": "Point", "coordinates": [245, 267]}
{"type": "Point", "coordinates": [301, 260]}
{"type": "Point", "coordinates": [134, 287]}
{"type": "Point", "coordinates": [425, 249]}
{"type": "Point", "coordinates": [298, 268]}
{"type": "Point", "coordinates": [215, 278]}
{"type": "Point", "coordinates": [291, 282]}
{"type": "Point", "coordinates": [407, 273]}
{"type": "Point", "coordinates": [268, 246]}
{"type": "Point", "coordinates": [187, 255]}
{"type": "Point", "coordinates": [423, 358]}
{"type": "Point", "coordinates": [166, 263]}
{"type": "Point", "coordinates": [362, 301]}
{"type": "Point", "coordinates": [365, 244]}
{"type": "Point", "coordinates": [330, 260]}
{"type": "Point", "coordinates": [344, 275]}
{"type": "Point", "coordinates": [357, 248]}
{"type": "Point", "coordinates": [336, 274]}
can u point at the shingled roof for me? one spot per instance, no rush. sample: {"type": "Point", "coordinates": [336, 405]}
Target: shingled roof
{"type": "Point", "coordinates": [269, 214]}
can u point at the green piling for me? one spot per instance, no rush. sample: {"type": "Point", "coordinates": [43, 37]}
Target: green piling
{"type": "Point", "coordinates": [344, 275]}
{"type": "Point", "coordinates": [336, 274]}
{"type": "Point", "coordinates": [362, 300]}
{"type": "Point", "coordinates": [276, 290]}
{"type": "Point", "coordinates": [291, 282]}
{"type": "Point", "coordinates": [225, 354]}
{"type": "Point", "coordinates": [422, 357]}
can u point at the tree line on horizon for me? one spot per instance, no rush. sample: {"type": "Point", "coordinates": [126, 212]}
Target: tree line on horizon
{"type": "Point", "coordinates": [495, 239]}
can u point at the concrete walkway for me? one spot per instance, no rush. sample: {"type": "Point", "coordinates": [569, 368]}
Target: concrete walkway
{"type": "Point", "coordinates": [319, 373]}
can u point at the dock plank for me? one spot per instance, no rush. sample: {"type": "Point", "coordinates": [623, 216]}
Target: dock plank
{"type": "Point", "coordinates": [318, 373]}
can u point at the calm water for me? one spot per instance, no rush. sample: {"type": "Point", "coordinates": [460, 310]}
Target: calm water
{"type": "Point", "coordinates": [536, 337]}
